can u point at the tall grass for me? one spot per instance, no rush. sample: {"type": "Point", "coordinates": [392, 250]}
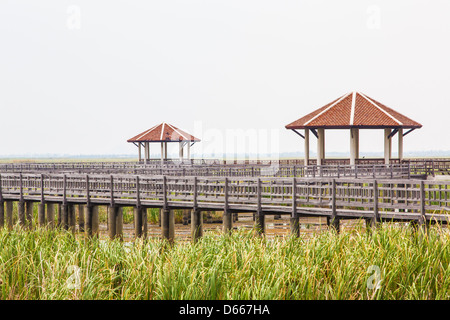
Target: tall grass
{"type": "Point", "coordinates": [46, 264]}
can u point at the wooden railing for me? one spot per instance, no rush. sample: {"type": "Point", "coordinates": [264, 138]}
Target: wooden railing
{"type": "Point", "coordinates": [382, 199]}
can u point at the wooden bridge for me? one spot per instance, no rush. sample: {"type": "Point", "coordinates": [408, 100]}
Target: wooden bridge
{"type": "Point", "coordinates": [418, 201]}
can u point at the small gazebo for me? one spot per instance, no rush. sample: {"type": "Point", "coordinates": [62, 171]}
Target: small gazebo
{"type": "Point", "coordinates": [164, 133]}
{"type": "Point", "coordinates": [354, 111]}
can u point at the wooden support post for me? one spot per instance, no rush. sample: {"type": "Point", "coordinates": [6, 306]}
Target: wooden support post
{"type": "Point", "coordinates": [260, 222]}
{"type": "Point", "coordinates": [196, 225]}
{"type": "Point", "coordinates": [9, 214]}
{"type": "Point", "coordinates": [64, 214]}
{"type": "Point", "coordinates": [2, 213]}
{"type": "Point", "coordinates": [387, 146]}
{"type": "Point", "coordinates": [168, 224]}
{"type": "Point", "coordinates": [80, 217]}
{"type": "Point", "coordinates": [51, 215]}
{"type": "Point", "coordinates": [119, 223]}
{"type": "Point", "coordinates": [333, 221]}
{"type": "Point", "coordinates": [320, 147]}
{"type": "Point", "coordinates": [71, 217]}
{"type": "Point", "coordinates": [227, 216]}
{"type": "Point", "coordinates": [21, 213]}
{"type": "Point", "coordinates": [144, 223]}
{"type": "Point", "coordinates": [294, 223]}
{"type": "Point", "coordinates": [41, 214]}
{"type": "Point", "coordinates": [95, 221]}
{"type": "Point", "coordinates": [89, 216]}
{"type": "Point", "coordinates": [29, 214]}
{"type": "Point", "coordinates": [422, 219]}
{"type": "Point", "coordinates": [137, 222]}
{"type": "Point", "coordinates": [196, 215]}
{"type": "Point", "coordinates": [306, 161]}
{"type": "Point", "coordinates": [294, 219]}
{"type": "Point", "coordinates": [112, 219]}
{"type": "Point", "coordinates": [400, 144]}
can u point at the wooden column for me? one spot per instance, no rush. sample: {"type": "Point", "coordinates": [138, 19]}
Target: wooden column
{"type": "Point", "coordinates": [168, 224]}
{"type": "Point", "coordinates": [29, 214]}
{"type": "Point", "coordinates": [112, 216]}
{"type": "Point", "coordinates": [260, 222]}
{"type": "Point", "coordinates": [181, 145]}
{"type": "Point", "coordinates": [306, 147]}
{"type": "Point", "coordinates": [196, 225]}
{"type": "Point", "coordinates": [294, 219]}
{"type": "Point", "coordinates": [139, 151]}
{"type": "Point", "coordinates": [2, 214]}
{"type": "Point", "coordinates": [147, 152]}
{"type": "Point", "coordinates": [387, 146]}
{"type": "Point", "coordinates": [354, 145]}
{"type": "Point", "coordinates": [71, 217]}
{"type": "Point", "coordinates": [227, 216]}
{"type": "Point", "coordinates": [400, 144]}
{"type": "Point", "coordinates": [64, 216]}
{"type": "Point", "coordinates": [9, 214]}
{"type": "Point", "coordinates": [119, 223]}
{"type": "Point", "coordinates": [162, 151]}
{"type": "Point", "coordinates": [51, 215]}
{"type": "Point", "coordinates": [21, 213]}
{"type": "Point", "coordinates": [320, 146]}
{"type": "Point", "coordinates": [333, 220]}
{"type": "Point", "coordinates": [144, 223]}
{"type": "Point", "coordinates": [165, 150]}
{"type": "Point", "coordinates": [137, 222]}
{"type": "Point", "coordinates": [95, 221]}
{"type": "Point", "coordinates": [41, 214]}
{"type": "Point", "coordinates": [189, 150]}
{"type": "Point", "coordinates": [375, 220]}
{"type": "Point", "coordinates": [88, 215]}
{"type": "Point", "coordinates": [80, 217]}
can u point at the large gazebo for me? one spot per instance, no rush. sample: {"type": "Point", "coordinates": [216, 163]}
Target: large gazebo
{"type": "Point", "coordinates": [354, 111]}
{"type": "Point", "coordinates": [163, 133]}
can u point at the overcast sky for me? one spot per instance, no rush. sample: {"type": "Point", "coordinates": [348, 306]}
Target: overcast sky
{"type": "Point", "coordinates": [81, 77]}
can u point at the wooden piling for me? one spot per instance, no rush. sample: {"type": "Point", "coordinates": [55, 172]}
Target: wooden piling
{"type": "Point", "coordinates": [2, 214]}
{"type": "Point", "coordinates": [137, 222]}
{"type": "Point", "coordinates": [80, 217]}
{"type": "Point", "coordinates": [196, 225]}
{"type": "Point", "coordinates": [333, 220]}
{"type": "Point", "coordinates": [112, 226]}
{"type": "Point", "coordinates": [144, 223]}
{"type": "Point", "coordinates": [64, 214]}
{"type": "Point", "coordinates": [41, 214]}
{"type": "Point", "coordinates": [9, 214]}
{"type": "Point", "coordinates": [29, 214]}
{"type": "Point", "coordinates": [95, 221]}
{"type": "Point", "coordinates": [21, 213]}
{"type": "Point", "coordinates": [88, 215]}
{"type": "Point", "coordinates": [51, 215]}
{"type": "Point", "coordinates": [294, 223]}
{"type": "Point", "coordinates": [227, 216]}
{"type": "Point", "coordinates": [260, 223]}
{"type": "Point", "coordinates": [71, 218]}
{"type": "Point", "coordinates": [119, 223]}
{"type": "Point", "coordinates": [168, 225]}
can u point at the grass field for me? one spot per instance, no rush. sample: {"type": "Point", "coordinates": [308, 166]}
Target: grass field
{"type": "Point", "coordinates": [392, 262]}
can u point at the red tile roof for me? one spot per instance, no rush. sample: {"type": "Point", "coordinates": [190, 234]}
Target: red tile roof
{"type": "Point", "coordinates": [354, 109]}
{"type": "Point", "coordinates": [163, 132]}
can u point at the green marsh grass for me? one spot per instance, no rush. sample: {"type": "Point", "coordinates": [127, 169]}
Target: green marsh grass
{"type": "Point", "coordinates": [53, 264]}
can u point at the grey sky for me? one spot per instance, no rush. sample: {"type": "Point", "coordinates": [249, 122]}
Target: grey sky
{"type": "Point", "coordinates": [81, 77]}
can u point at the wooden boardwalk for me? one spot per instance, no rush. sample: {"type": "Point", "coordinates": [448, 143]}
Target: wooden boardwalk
{"type": "Point", "coordinates": [375, 171]}
{"type": "Point", "coordinates": [375, 200]}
